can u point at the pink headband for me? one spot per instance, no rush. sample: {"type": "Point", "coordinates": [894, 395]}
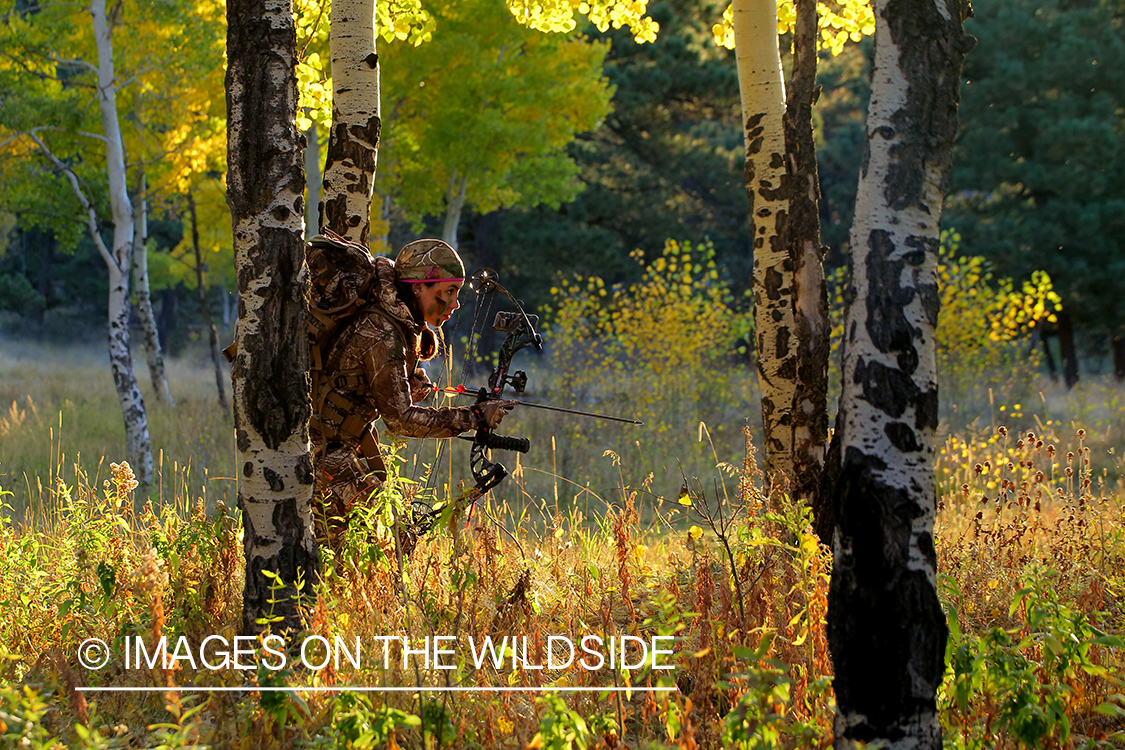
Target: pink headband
{"type": "Point", "coordinates": [432, 276]}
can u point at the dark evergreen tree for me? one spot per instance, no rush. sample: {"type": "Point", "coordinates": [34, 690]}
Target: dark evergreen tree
{"type": "Point", "coordinates": [1039, 172]}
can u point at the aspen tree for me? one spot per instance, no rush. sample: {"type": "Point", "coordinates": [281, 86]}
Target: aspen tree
{"type": "Point", "coordinates": [886, 628]}
{"type": "Point", "coordinates": [265, 188]}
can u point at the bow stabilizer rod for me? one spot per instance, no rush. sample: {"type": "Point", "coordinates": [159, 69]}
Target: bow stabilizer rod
{"type": "Point", "coordinates": [465, 391]}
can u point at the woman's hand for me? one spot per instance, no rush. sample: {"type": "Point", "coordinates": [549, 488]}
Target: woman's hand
{"type": "Point", "coordinates": [492, 412]}
{"type": "Point", "coordinates": [420, 386]}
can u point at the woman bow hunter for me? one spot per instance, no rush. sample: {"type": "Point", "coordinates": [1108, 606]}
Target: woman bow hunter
{"type": "Point", "coordinates": [370, 370]}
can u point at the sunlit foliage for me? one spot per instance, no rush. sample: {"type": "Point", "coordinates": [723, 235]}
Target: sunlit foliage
{"type": "Point", "coordinates": [984, 323]}
{"type": "Point", "coordinates": [839, 23]}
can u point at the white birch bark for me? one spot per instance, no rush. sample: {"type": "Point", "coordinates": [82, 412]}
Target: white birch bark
{"type": "Point", "coordinates": [312, 182]}
{"type": "Point", "coordinates": [886, 627]}
{"type": "Point", "coordinates": [138, 446]}
{"type": "Point", "coordinates": [762, 90]}
{"type": "Point", "coordinates": [270, 370]}
{"type": "Point", "coordinates": [454, 206]}
{"type": "Point", "coordinates": [153, 351]}
{"type": "Point", "coordinates": [349, 170]}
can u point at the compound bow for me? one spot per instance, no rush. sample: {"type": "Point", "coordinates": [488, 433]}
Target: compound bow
{"type": "Point", "coordinates": [519, 328]}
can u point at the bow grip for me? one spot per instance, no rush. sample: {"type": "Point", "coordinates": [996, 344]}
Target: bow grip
{"type": "Point", "coordinates": [504, 442]}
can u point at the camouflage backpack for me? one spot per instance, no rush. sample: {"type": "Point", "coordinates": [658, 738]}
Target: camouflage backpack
{"type": "Point", "coordinates": [341, 273]}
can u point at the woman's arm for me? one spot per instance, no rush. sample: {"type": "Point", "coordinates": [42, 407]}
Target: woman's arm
{"type": "Point", "coordinates": [389, 386]}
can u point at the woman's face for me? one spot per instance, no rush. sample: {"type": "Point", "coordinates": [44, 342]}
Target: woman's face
{"type": "Point", "coordinates": [438, 301]}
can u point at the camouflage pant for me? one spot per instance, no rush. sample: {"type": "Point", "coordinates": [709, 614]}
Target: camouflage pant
{"type": "Point", "coordinates": [344, 483]}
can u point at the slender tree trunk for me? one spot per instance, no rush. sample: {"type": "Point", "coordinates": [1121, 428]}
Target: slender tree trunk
{"type": "Point", "coordinates": [205, 308]}
{"type": "Point", "coordinates": [886, 628]}
{"type": "Point", "coordinates": [312, 182]}
{"type": "Point", "coordinates": [353, 144]}
{"type": "Point", "coordinates": [454, 205]}
{"type": "Point", "coordinates": [270, 371]}
{"type": "Point", "coordinates": [763, 109]}
{"type": "Point", "coordinates": [153, 351]}
{"type": "Point", "coordinates": [1119, 357]}
{"type": "Point", "coordinates": [1052, 368]}
{"type": "Point", "coordinates": [1067, 351]}
{"type": "Point", "coordinates": [809, 408]}
{"type": "Point", "coordinates": [138, 447]}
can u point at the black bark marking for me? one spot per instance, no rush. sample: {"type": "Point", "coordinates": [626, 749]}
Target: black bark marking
{"type": "Point", "coordinates": [248, 469]}
{"type": "Point", "coordinates": [772, 284]}
{"type": "Point", "coordinates": [277, 384]}
{"type": "Point", "coordinates": [879, 606]}
{"type": "Point", "coordinates": [293, 560]}
{"type": "Point", "coordinates": [304, 470]}
{"type": "Point", "coordinates": [926, 410]}
{"type": "Point", "coordinates": [356, 147]}
{"type": "Point", "coordinates": [273, 479]}
{"type": "Point", "coordinates": [902, 437]}
{"type": "Point", "coordinates": [929, 47]}
{"type": "Point", "coordinates": [372, 60]}
{"type": "Point", "coordinates": [887, 389]}
{"type": "Point", "coordinates": [783, 342]}
{"type": "Point", "coordinates": [887, 299]}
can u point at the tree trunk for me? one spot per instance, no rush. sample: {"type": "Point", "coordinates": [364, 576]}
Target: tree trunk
{"type": "Point", "coordinates": [205, 308]}
{"type": "Point", "coordinates": [809, 408]}
{"type": "Point", "coordinates": [353, 144]}
{"type": "Point", "coordinates": [454, 205]}
{"type": "Point", "coordinates": [138, 447]}
{"type": "Point", "coordinates": [1066, 350]}
{"type": "Point", "coordinates": [312, 182]}
{"type": "Point", "coordinates": [1119, 357]}
{"type": "Point", "coordinates": [153, 351]}
{"type": "Point", "coordinates": [763, 109]}
{"type": "Point", "coordinates": [270, 370]}
{"type": "Point", "coordinates": [1052, 368]}
{"type": "Point", "coordinates": [886, 628]}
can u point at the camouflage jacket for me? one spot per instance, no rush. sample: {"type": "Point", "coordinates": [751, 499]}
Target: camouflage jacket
{"type": "Point", "coordinates": [369, 371]}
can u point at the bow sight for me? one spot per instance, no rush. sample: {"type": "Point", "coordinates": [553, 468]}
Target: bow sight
{"type": "Point", "coordinates": [521, 333]}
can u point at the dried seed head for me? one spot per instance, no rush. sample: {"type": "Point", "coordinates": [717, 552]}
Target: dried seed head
{"type": "Point", "coordinates": [965, 487]}
{"type": "Point", "coordinates": [1002, 430]}
{"type": "Point", "coordinates": [1069, 471]}
{"type": "Point", "coordinates": [1081, 434]}
{"type": "Point", "coordinates": [1051, 450]}
{"type": "Point", "coordinates": [1031, 436]}
{"type": "Point", "coordinates": [123, 477]}
{"type": "Point", "coordinates": [978, 469]}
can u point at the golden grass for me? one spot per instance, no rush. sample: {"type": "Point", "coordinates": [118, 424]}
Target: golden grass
{"type": "Point", "coordinates": [1026, 553]}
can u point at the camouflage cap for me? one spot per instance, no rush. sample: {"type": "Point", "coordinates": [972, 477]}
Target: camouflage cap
{"type": "Point", "coordinates": [428, 260]}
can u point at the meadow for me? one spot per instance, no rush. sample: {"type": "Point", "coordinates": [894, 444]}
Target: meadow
{"type": "Point", "coordinates": [602, 531]}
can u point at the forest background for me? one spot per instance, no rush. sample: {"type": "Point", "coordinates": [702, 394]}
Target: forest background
{"type": "Point", "coordinates": [635, 222]}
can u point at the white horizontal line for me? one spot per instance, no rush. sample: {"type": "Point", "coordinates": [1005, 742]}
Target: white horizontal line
{"type": "Point", "coordinates": [374, 689]}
